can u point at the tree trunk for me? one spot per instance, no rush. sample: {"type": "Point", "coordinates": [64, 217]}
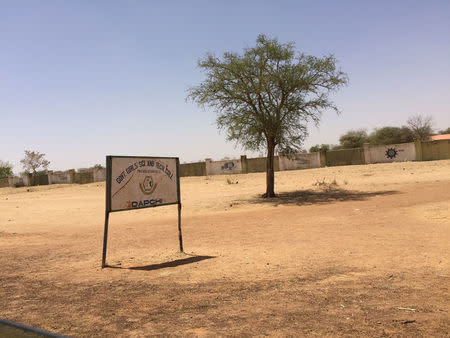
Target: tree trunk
{"type": "Point", "coordinates": [270, 175]}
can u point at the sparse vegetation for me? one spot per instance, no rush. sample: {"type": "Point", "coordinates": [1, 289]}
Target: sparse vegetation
{"type": "Point", "coordinates": [418, 128]}
{"type": "Point", "coordinates": [445, 131]}
{"type": "Point", "coordinates": [391, 135]}
{"type": "Point", "coordinates": [230, 181]}
{"type": "Point", "coordinates": [5, 169]}
{"type": "Point", "coordinates": [354, 139]}
{"type": "Point", "coordinates": [323, 185]}
{"type": "Point", "coordinates": [421, 126]}
{"type": "Point", "coordinates": [33, 161]}
{"type": "Point", "coordinates": [321, 147]}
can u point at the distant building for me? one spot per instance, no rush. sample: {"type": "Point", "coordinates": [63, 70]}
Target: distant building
{"type": "Point", "coordinates": [440, 137]}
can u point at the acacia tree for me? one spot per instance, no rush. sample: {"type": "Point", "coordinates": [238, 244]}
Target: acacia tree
{"type": "Point", "coordinates": [421, 126]}
{"type": "Point", "coordinates": [265, 97]}
{"type": "Point", "coordinates": [391, 135]}
{"type": "Point", "coordinates": [33, 161]}
{"type": "Point", "coordinates": [354, 139]}
{"type": "Point", "coordinates": [5, 169]}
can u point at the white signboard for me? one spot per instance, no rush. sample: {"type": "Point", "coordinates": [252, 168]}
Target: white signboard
{"type": "Point", "coordinates": [141, 182]}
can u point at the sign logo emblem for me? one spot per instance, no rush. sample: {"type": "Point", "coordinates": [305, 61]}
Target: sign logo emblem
{"type": "Point", "coordinates": [228, 166]}
{"type": "Point", "coordinates": [147, 185]}
{"type": "Point", "coordinates": [391, 153]}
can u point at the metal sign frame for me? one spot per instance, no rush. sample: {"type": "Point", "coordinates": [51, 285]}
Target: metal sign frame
{"type": "Point", "coordinates": [108, 208]}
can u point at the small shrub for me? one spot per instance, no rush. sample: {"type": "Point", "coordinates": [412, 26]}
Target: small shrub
{"type": "Point", "coordinates": [229, 181]}
{"type": "Point", "coordinates": [325, 185]}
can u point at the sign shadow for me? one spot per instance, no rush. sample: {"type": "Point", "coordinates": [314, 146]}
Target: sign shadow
{"type": "Point", "coordinates": [164, 265]}
{"type": "Point", "coordinates": [322, 196]}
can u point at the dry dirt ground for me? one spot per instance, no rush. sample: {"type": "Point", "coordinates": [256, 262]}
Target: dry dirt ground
{"type": "Point", "coordinates": [368, 256]}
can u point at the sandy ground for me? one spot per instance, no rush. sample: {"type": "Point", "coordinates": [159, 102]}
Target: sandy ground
{"type": "Point", "coordinates": [368, 256]}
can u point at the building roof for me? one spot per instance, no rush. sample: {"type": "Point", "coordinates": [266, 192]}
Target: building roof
{"type": "Point", "coordinates": [440, 137]}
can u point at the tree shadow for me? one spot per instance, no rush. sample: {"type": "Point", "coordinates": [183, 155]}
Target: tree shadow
{"type": "Point", "coordinates": [308, 197]}
{"type": "Point", "coordinates": [171, 264]}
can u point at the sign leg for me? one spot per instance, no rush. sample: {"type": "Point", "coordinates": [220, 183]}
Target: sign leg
{"type": "Point", "coordinates": [105, 239]}
{"type": "Point", "coordinates": [180, 236]}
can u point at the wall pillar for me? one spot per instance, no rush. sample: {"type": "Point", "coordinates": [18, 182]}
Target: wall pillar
{"type": "Point", "coordinates": [314, 160]}
{"type": "Point", "coordinates": [50, 176]}
{"type": "Point", "coordinates": [323, 158]}
{"type": "Point", "coordinates": [25, 179]}
{"type": "Point", "coordinates": [208, 166]}
{"type": "Point", "coordinates": [71, 176]}
{"type": "Point", "coordinates": [244, 164]}
{"type": "Point", "coordinates": [367, 159]}
{"type": "Point", "coordinates": [419, 153]}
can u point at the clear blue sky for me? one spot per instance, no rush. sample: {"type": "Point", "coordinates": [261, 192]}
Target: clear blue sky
{"type": "Point", "coordinates": [83, 79]}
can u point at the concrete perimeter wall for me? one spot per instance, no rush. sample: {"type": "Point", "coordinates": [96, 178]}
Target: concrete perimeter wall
{"type": "Point", "coordinates": [258, 164]}
{"type": "Point", "coordinates": [58, 177]}
{"type": "Point", "coordinates": [300, 161]}
{"type": "Point", "coordinates": [81, 177]}
{"type": "Point", "coordinates": [390, 153]}
{"type": "Point", "coordinates": [223, 167]}
{"type": "Point", "coordinates": [41, 178]}
{"type": "Point", "coordinates": [11, 181]}
{"type": "Point", "coordinates": [4, 182]}
{"type": "Point", "coordinates": [99, 174]}
{"type": "Point", "coordinates": [345, 157]}
{"type": "Point", "coordinates": [433, 150]}
{"type": "Point", "coordinates": [193, 169]}
{"type": "Point", "coordinates": [418, 151]}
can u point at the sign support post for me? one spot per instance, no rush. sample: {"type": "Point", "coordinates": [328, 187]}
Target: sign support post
{"type": "Point", "coordinates": [107, 208]}
{"type": "Point", "coordinates": [105, 239]}
{"type": "Point", "coordinates": [180, 236]}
